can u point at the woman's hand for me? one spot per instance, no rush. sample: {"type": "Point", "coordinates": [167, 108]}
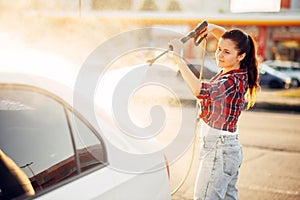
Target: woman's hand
{"type": "Point", "coordinates": [205, 32]}
{"type": "Point", "coordinates": [176, 45]}
{"type": "Point", "coordinates": [216, 30]}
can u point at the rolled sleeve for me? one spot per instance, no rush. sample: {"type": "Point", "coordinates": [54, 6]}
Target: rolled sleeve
{"type": "Point", "coordinates": [216, 90]}
{"type": "Point", "coordinates": [205, 90]}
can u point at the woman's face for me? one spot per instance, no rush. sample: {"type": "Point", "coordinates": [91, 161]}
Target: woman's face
{"type": "Point", "coordinates": [227, 56]}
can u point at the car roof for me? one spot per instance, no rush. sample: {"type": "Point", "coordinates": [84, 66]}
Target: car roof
{"type": "Point", "coordinates": [58, 76]}
{"type": "Point", "coordinates": [272, 71]}
{"type": "Point", "coordinates": [119, 142]}
{"type": "Point", "coordinates": [40, 82]}
{"type": "Point", "coordinates": [282, 63]}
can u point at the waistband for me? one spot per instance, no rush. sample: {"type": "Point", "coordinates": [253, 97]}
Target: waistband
{"type": "Point", "coordinates": [206, 130]}
{"type": "Point", "coordinates": [210, 142]}
{"type": "Point", "coordinates": [229, 137]}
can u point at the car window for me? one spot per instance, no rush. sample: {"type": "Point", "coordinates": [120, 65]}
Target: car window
{"type": "Point", "coordinates": [296, 69]}
{"type": "Point", "coordinates": [87, 144]}
{"type": "Point", "coordinates": [37, 135]}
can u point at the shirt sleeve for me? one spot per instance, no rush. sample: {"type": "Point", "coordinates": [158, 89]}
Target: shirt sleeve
{"type": "Point", "coordinates": [218, 89]}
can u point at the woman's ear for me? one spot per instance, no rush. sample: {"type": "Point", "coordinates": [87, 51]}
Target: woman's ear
{"type": "Point", "coordinates": [241, 57]}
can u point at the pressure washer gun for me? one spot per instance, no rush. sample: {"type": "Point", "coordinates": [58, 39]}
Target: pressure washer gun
{"type": "Point", "coordinates": [193, 34]}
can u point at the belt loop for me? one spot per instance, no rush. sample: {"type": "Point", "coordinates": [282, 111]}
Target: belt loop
{"type": "Point", "coordinates": [222, 139]}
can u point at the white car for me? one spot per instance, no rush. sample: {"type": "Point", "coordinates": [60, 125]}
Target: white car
{"type": "Point", "coordinates": [271, 78]}
{"type": "Point", "coordinates": [290, 68]}
{"type": "Point", "coordinates": [51, 149]}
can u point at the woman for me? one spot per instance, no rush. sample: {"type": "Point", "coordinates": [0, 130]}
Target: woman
{"type": "Point", "coordinates": [222, 99]}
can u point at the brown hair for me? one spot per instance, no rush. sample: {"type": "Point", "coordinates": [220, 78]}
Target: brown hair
{"type": "Point", "coordinates": [246, 44]}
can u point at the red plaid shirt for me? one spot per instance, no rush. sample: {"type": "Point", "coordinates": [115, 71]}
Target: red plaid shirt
{"type": "Point", "coordinates": [222, 99]}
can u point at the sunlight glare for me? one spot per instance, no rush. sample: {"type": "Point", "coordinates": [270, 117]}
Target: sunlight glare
{"type": "Point", "coordinates": [255, 6]}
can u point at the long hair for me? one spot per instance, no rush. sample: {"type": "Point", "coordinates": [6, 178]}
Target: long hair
{"type": "Point", "coordinates": [245, 44]}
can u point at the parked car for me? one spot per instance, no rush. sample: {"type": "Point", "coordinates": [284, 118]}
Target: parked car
{"type": "Point", "coordinates": [268, 77]}
{"type": "Point", "coordinates": [50, 148]}
{"type": "Point", "coordinates": [271, 78]}
{"type": "Point", "coordinates": [290, 68]}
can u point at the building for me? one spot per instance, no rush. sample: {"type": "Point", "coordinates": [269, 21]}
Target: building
{"type": "Point", "coordinates": [277, 33]}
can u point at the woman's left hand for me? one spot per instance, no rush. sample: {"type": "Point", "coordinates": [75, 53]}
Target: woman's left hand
{"type": "Point", "coordinates": [176, 45]}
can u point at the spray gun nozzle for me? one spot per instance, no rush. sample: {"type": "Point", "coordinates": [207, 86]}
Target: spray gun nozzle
{"type": "Point", "coordinates": [151, 61]}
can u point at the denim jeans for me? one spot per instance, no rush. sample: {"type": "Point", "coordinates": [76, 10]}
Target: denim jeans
{"type": "Point", "coordinates": [220, 159]}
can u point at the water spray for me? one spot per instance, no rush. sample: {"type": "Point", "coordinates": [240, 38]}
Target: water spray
{"type": "Point", "coordinates": [192, 34]}
{"type": "Point", "coordinates": [200, 28]}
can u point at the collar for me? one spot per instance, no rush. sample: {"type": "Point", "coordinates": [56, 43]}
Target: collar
{"type": "Point", "coordinates": [234, 71]}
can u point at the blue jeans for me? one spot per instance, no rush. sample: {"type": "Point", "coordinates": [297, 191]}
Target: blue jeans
{"type": "Point", "coordinates": [220, 159]}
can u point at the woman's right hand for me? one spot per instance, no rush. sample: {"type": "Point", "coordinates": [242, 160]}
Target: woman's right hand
{"type": "Point", "coordinates": [204, 32]}
{"type": "Point", "coordinates": [216, 30]}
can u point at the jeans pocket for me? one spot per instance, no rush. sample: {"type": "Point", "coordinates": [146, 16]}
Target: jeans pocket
{"type": "Point", "coordinates": [232, 158]}
{"type": "Point", "coordinates": [207, 147]}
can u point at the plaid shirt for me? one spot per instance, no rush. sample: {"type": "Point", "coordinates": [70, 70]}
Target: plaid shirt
{"type": "Point", "coordinates": [222, 99]}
